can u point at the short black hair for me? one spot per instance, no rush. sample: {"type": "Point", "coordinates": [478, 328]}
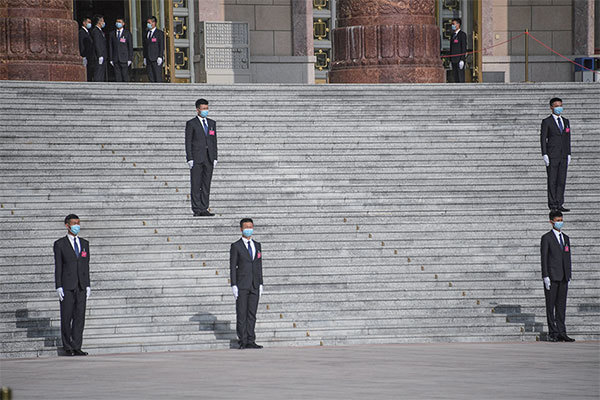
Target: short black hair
{"type": "Point", "coordinates": [120, 18]}
{"type": "Point", "coordinates": [97, 18]}
{"type": "Point", "coordinates": [457, 20]}
{"type": "Point", "coordinates": [85, 19]}
{"type": "Point", "coordinates": [70, 217]}
{"type": "Point", "coordinates": [244, 220]}
{"type": "Point", "coordinates": [152, 18]}
{"type": "Point", "coordinates": [201, 101]}
{"type": "Point", "coordinates": [555, 213]}
{"type": "Point", "coordinates": [554, 99]}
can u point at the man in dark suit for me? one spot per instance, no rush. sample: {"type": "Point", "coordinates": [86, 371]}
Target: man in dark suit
{"type": "Point", "coordinates": [86, 46]}
{"type": "Point", "coordinates": [201, 154]}
{"type": "Point", "coordinates": [555, 136]}
{"type": "Point", "coordinates": [100, 49]}
{"type": "Point", "coordinates": [154, 50]}
{"type": "Point", "coordinates": [458, 45]}
{"type": "Point", "coordinates": [245, 267]}
{"type": "Point", "coordinates": [556, 273]}
{"type": "Point", "coordinates": [72, 278]}
{"type": "Point", "coordinates": [120, 51]}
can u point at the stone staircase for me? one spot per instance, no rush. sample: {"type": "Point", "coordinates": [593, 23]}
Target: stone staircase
{"type": "Point", "coordinates": [388, 214]}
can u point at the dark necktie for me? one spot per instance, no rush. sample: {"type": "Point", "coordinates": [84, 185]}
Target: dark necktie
{"type": "Point", "coordinates": [250, 249]}
{"type": "Point", "coordinates": [560, 125]}
{"type": "Point", "coordinates": [562, 244]}
{"type": "Point", "coordinates": [76, 247]}
{"type": "Point", "coordinates": [118, 34]}
{"type": "Point", "coordinates": [205, 127]}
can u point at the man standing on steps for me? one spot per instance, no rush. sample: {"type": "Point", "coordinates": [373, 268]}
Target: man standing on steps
{"type": "Point", "coordinates": [86, 47]}
{"type": "Point", "coordinates": [245, 267]}
{"type": "Point", "coordinates": [555, 138]}
{"type": "Point", "coordinates": [100, 49]}
{"type": "Point", "coordinates": [154, 50]}
{"type": "Point", "coordinates": [556, 274]}
{"type": "Point", "coordinates": [120, 51]}
{"type": "Point", "coordinates": [201, 154]}
{"type": "Point", "coordinates": [72, 278]}
{"type": "Point", "coordinates": [458, 45]}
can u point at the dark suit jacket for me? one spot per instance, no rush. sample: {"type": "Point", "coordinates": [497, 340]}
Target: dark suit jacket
{"type": "Point", "coordinates": [243, 270]}
{"type": "Point", "coordinates": [554, 143]}
{"type": "Point", "coordinates": [154, 47]}
{"type": "Point", "coordinates": [120, 50]}
{"type": "Point", "coordinates": [556, 262]}
{"type": "Point", "coordinates": [196, 141]}
{"type": "Point", "coordinates": [68, 268]}
{"type": "Point", "coordinates": [458, 45]}
{"type": "Point", "coordinates": [86, 46]}
{"type": "Point", "coordinates": [100, 48]}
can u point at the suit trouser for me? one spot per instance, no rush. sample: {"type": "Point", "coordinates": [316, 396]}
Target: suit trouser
{"type": "Point", "coordinates": [556, 307]}
{"type": "Point", "coordinates": [201, 176]}
{"type": "Point", "coordinates": [557, 179]}
{"type": "Point", "coordinates": [154, 71]}
{"type": "Point", "coordinates": [100, 71]}
{"type": "Point", "coordinates": [72, 318]}
{"type": "Point", "coordinates": [121, 71]}
{"type": "Point", "coordinates": [458, 74]}
{"type": "Point", "coordinates": [89, 69]}
{"type": "Point", "coordinates": [246, 306]}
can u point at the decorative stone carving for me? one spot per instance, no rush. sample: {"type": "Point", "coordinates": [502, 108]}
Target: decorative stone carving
{"type": "Point", "coordinates": [38, 41]}
{"type": "Point", "coordinates": [386, 41]}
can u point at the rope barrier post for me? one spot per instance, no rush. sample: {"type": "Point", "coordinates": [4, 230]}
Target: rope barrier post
{"type": "Point", "coordinates": [526, 55]}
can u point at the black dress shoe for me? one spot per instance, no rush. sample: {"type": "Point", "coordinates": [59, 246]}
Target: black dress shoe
{"type": "Point", "coordinates": [204, 214]}
{"type": "Point", "coordinates": [551, 339]}
{"type": "Point", "coordinates": [80, 353]}
{"type": "Point", "coordinates": [69, 353]}
{"type": "Point", "coordinates": [253, 346]}
{"type": "Point", "coordinates": [565, 338]}
{"type": "Point", "coordinates": [242, 346]}
{"type": "Point", "coordinates": [562, 209]}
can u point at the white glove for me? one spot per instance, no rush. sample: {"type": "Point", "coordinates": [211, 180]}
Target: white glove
{"type": "Point", "coordinates": [547, 283]}
{"type": "Point", "coordinates": [61, 293]}
{"type": "Point", "coordinates": [159, 61]}
{"type": "Point", "coordinates": [112, 63]}
{"type": "Point", "coordinates": [191, 164]}
{"type": "Point", "coordinates": [546, 160]}
{"type": "Point", "coordinates": [235, 291]}
{"type": "Point", "coordinates": [215, 164]}
{"type": "Point", "coordinates": [100, 60]}
{"type": "Point", "coordinates": [129, 63]}
{"type": "Point", "coordinates": [144, 62]}
{"type": "Point", "coordinates": [568, 160]}
{"type": "Point", "coordinates": [88, 290]}
{"type": "Point", "coordinates": [85, 61]}
{"type": "Point", "coordinates": [260, 290]}
{"type": "Point", "coordinates": [461, 64]}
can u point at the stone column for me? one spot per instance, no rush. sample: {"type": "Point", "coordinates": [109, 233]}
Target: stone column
{"type": "Point", "coordinates": [302, 28]}
{"type": "Point", "coordinates": [386, 41]}
{"type": "Point", "coordinates": [39, 41]}
{"type": "Point", "coordinates": [583, 27]}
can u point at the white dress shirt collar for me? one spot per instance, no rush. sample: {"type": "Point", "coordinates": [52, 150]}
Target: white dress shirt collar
{"type": "Point", "coordinates": [72, 240]}
{"type": "Point", "coordinates": [557, 234]}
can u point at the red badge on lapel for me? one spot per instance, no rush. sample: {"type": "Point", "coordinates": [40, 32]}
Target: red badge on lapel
{"type": "Point", "coordinates": [567, 248]}
{"type": "Point", "coordinates": [211, 133]}
{"type": "Point", "coordinates": [258, 255]}
{"type": "Point", "coordinates": [568, 129]}
{"type": "Point", "coordinates": [455, 40]}
{"type": "Point", "coordinates": [153, 40]}
{"type": "Point", "coordinates": [84, 254]}
{"type": "Point", "coordinates": [122, 40]}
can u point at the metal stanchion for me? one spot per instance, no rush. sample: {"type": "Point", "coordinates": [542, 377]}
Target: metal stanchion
{"type": "Point", "coordinates": [526, 55]}
{"type": "Point", "coordinates": [6, 393]}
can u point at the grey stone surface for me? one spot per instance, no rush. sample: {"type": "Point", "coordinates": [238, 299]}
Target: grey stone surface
{"type": "Point", "coordinates": [432, 371]}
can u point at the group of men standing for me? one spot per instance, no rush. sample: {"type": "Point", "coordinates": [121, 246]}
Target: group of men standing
{"type": "Point", "coordinates": [99, 49]}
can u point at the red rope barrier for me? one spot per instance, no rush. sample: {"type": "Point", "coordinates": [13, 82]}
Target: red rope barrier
{"type": "Point", "coordinates": [557, 53]}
